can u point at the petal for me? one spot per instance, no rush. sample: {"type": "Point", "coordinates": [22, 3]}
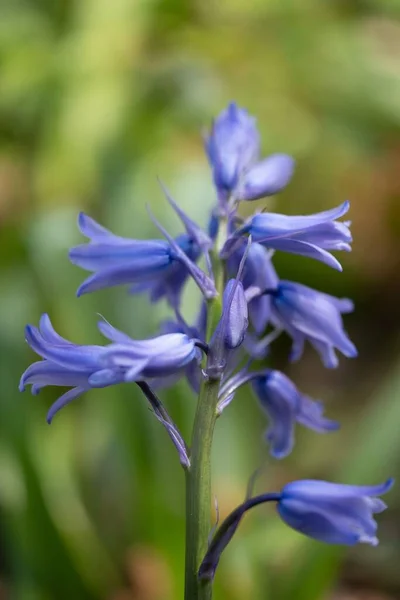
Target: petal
{"type": "Point", "coordinates": [281, 410]}
{"type": "Point", "coordinates": [48, 332]}
{"type": "Point", "coordinates": [331, 236]}
{"type": "Point", "coordinates": [104, 378]}
{"type": "Point", "coordinates": [64, 400]}
{"type": "Point", "coordinates": [267, 177]}
{"type": "Point", "coordinates": [303, 249]}
{"type": "Point", "coordinates": [271, 225]}
{"type": "Point", "coordinates": [94, 257]}
{"type": "Point", "coordinates": [313, 316]}
{"type": "Point", "coordinates": [45, 372]}
{"type": "Point", "coordinates": [315, 489]}
{"type": "Point", "coordinates": [319, 525]}
{"type": "Point", "coordinates": [78, 358]}
{"type": "Point", "coordinates": [113, 334]}
{"type": "Point", "coordinates": [141, 269]}
{"type": "Point", "coordinates": [327, 353]}
{"type": "Point", "coordinates": [311, 415]}
{"type": "Point", "coordinates": [91, 229]}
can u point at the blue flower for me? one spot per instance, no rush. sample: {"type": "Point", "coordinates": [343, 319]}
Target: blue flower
{"type": "Point", "coordinates": [307, 314]}
{"type": "Point", "coordinates": [233, 149]}
{"type": "Point", "coordinates": [148, 265]}
{"type": "Point", "coordinates": [333, 513]}
{"type": "Point", "coordinates": [286, 406]}
{"type": "Point", "coordinates": [311, 236]}
{"type": "Point", "coordinates": [85, 367]}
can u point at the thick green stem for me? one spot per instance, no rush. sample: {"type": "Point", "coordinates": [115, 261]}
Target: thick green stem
{"type": "Point", "coordinates": [198, 493]}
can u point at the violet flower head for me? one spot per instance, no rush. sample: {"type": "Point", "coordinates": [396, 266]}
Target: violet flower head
{"type": "Point", "coordinates": [313, 236]}
{"type": "Point", "coordinates": [286, 406]}
{"type": "Point", "coordinates": [307, 314]}
{"type": "Point", "coordinates": [147, 265]}
{"type": "Point", "coordinates": [333, 513]}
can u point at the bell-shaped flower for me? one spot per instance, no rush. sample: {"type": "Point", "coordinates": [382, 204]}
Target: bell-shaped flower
{"type": "Point", "coordinates": [84, 367]}
{"type": "Point", "coordinates": [285, 406]}
{"type": "Point", "coordinates": [147, 265]}
{"type": "Point", "coordinates": [311, 236]}
{"type": "Point", "coordinates": [232, 146]}
{"type": "Point", "coordinates": [333, 513]}
{"type": "Point", "coordinates": [307, 314]}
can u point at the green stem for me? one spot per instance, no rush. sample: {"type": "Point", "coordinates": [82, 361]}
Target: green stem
{"type": "Point", "coordinates": [198, 493]}
{"type": "Point", "coordinates": [198, 476]}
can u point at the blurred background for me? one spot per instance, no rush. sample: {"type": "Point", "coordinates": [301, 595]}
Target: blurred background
{"type": "Point", "coordinates": [98, 98]}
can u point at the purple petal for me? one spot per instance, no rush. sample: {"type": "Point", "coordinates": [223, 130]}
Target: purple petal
{"type": "Point", "coordinates": [267, 177]}
{"type": "Point", "coordinates": [271, 225]}
{"type": "Point", "coordinates": [141, 269]}
{"type": "Point", "coordinates": [64, 400]}
{"type": "Point", "coordinates": [315, 489]}
{"type": "Point", "coordinates": [49, 334]}
{"type": "Point", "coordinates": [94, 257]}
{"type": "Point", "coordinates": [44, 373]}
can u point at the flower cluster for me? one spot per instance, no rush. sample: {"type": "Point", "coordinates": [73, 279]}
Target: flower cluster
{"type": "Point", "coordinates": [244, 307]}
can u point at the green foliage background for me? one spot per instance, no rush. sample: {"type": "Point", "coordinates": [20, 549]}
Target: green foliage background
{"type": "Point", "coordinates": [97, 99]}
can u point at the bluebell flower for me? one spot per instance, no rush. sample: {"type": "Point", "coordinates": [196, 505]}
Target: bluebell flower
{"type": "Point", "coordinates": [84, 367]}
{"type": "Point", "coordinates": [333, 513]}
{"type": "Point", "coordinates": [233, 149]}
{"type": "Point", "coordinates": [313, 236]}
{"type": "Point", "coordinates": [307, 314]}
{"type": "Point", "coordinates": [147, 265]}
{"type": "Point", "coordinates": [285, 406]}
{"type": "Point", "coordinates": [329, 512]}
